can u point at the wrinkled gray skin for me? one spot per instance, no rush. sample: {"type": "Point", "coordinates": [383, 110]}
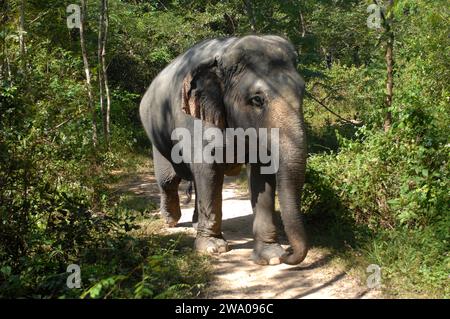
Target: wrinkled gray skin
{"type": "Point", "coordinates": [236, 82]}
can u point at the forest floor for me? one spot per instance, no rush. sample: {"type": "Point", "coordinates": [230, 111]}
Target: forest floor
{"type": "Point", "coordinates": [234, 275]}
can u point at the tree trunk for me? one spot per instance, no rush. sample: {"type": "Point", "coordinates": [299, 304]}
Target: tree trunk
{"type": "Point", "coordinates": [5, 71]}
{"type": "Point", "coordinates": [22, 45]}
{"type": "Point", "coordinates": [101, 28]}
{"type": "Point", "coordinates": [87, 72]}
{"type": "Point", "coordinates": [231, 23]}
{"type": "Point", "coordinates": [389, 82]}
{"type": "Point", "coordinates": [389, 65]}
{"type": "Point", "coordinates": [302, 23]}
{"type": "Point", "coordinates": [8, 70]}
{"type": "Point", "coordinates": [102, 70]}
{"type": "Point", "coordinates": [105, 74]}
{"type": "Point", "coordinates": [22, 29]}
{"type": "Point", "coordinates": [250, 13]}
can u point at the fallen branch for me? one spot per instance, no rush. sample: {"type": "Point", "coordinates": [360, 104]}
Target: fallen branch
{"type": "Point", "coordinates": [76, 115]}
{"type": "Point", "coordinates": [353, 122]}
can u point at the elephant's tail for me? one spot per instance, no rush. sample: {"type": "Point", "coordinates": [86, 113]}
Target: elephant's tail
{"type": "Point", "coordinates": [188, 193]}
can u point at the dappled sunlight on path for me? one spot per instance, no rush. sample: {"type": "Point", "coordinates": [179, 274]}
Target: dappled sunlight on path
{"type": "Point", "coordinates": [236, 276]}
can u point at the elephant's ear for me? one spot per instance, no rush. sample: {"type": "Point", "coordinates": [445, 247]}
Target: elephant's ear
{"type": "Point", "coordinates": [202, 94]}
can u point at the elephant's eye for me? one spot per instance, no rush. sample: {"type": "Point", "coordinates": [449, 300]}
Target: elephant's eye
{"type": "Point", "coordinates": [257, 100]}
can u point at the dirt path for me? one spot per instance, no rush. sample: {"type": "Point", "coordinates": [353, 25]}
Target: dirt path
{"type": "Point", "coordinates": [236, 276]}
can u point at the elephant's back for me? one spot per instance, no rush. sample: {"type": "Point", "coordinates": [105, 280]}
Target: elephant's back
{"type": "Point", "coordinates": [170, 79]}
{"type": "Point", "coordinates": [160, 108]}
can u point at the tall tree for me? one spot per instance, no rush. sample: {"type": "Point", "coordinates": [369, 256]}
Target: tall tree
{"type": "Point", "coordinates": [102, 70]}
{"type": "Point", "coordinates": [389, 57]}
{"type": "Point", "coordinates": [101, 31]}
{"type": "Point", "coordinates": [302, 22]}
{"type": "Point", "coordinates": [251, 14]}
{"type": "Point", "coordinates": [87, 72]}
{"type": "Point", "coordinates": [22, 34]}
{"type": "Point", "coordinates": [22, 28]}
{"type": "Point", "coordinates": [5, 71]}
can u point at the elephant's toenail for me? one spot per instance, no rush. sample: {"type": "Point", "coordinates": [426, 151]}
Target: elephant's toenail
{"type": "Point", "coordinates": [275, 261]}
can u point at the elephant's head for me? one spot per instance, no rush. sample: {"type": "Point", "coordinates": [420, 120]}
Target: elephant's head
{"type": "Point", "coordinates": [255, 84]}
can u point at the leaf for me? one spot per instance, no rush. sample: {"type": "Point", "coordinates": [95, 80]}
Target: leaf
{"type": "Point", "coordinates": [6, 271]}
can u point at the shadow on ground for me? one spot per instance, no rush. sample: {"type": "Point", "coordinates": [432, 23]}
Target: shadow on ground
{"type": "Point", "coordinates": [234, 275]}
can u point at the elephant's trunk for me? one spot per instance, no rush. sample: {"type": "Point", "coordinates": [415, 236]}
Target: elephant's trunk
{"type": "Point", "coordinates": [290, 179]}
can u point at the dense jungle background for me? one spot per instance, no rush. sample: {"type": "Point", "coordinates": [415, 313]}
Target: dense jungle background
{"type": "Point", "coordinates": [377, 113]}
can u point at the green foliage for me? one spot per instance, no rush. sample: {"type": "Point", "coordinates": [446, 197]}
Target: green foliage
{"type": "Point", "coordinates": [414, 262]}
{"type": "Point", "coordinates": [152, 267]}
{"type": "Point", "coordinates": [383, 194]}
{"type": "Point", "coordinates": [391, 189]}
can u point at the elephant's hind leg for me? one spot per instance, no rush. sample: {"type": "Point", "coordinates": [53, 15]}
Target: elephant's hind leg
{"type": "Point", "coordinates": [168, 182]}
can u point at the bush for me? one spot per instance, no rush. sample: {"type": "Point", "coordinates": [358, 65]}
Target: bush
{"type": "Point", "coordinates": [398, 188]}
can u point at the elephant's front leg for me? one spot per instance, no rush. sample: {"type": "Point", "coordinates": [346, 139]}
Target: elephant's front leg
{"type": "Point", "coordinates": [208, 196]}
{"type": "Point", "coordinates": [262, 189]}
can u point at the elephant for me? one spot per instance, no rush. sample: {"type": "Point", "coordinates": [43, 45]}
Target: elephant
{"type": "Point", "coordinates": [234, 82]}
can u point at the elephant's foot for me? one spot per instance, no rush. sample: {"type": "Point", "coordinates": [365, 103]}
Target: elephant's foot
{"type": "Point", "coordinates": [268, 253]}
{"type": "Point", "coordinates": [170, 219]}
{"type": "Point", "coordinates": [211, 245]}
